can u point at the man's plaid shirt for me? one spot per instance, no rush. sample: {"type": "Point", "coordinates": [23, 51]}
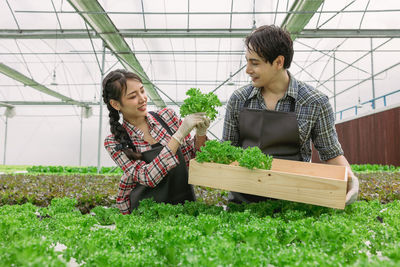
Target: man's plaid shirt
{"type": "Point", "coordinates": [137, 171]}
{"type": "Point", "coordinates": [313, 111]}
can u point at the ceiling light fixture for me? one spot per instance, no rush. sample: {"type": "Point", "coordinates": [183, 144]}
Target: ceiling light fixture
{"type": "Point", "coordinates": [54, 82]}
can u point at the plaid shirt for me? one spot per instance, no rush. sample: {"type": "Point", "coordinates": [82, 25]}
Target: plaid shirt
{"type": "Point", "coordinates": [313, 111]}
{"type": "Point", "coordinates": [137, 171]}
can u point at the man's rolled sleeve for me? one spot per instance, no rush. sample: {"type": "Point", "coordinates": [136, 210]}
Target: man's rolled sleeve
{"type": "Point", "coordinates": [324, 134]}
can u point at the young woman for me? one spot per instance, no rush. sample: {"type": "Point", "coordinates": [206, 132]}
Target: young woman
{"type": "Point", "coordinates": [152, 148]}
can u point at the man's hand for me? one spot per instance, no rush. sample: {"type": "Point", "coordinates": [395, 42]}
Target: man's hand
{"type": "Point", "coordinates": [352, 182]}
{"type": "Point", "coordinates": [352, 189]}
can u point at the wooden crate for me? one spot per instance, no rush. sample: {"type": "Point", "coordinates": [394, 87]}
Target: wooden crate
{"type": "Point", "coordinates": [312, 183]}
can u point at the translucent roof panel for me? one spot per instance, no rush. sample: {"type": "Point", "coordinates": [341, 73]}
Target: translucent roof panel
{"type": "Point", "coordinates": [360, 14]}
{"type": "Point", "coordinates": [52, 54]}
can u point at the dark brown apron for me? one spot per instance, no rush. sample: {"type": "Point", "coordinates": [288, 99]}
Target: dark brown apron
{"type": "Point", "coordinates": [276, 133]}
{"type": "Point", "coordinates": [173, 188]}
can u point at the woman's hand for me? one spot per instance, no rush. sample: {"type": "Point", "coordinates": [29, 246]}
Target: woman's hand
{"type": "Point", "coordinates": [201, 128]}
{"type": "Point", "coordinates": [187, 126]}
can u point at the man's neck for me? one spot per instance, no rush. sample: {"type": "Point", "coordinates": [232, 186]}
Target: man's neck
{"type": "Point", "coordinates": [279, 85]}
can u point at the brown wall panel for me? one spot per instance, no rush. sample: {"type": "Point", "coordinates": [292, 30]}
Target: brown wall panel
{"type": "Point", "coordinates": [373, 139]}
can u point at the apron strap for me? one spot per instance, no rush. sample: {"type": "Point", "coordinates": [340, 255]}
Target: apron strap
{"type": "Point", "coordinates": [247, 102]}
{"type": "Point", "coordinates": [161, 121]}
{"type": "Point", "coordinates": [292, 105]}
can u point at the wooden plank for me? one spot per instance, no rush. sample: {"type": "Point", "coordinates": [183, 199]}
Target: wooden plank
{"type": "Point", "coordinates": [309, 169]}
{"type": "Point", "coordinates": [320, 191]}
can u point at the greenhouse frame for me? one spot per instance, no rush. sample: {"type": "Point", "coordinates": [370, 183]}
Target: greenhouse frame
{"type": "Point", "coordinates": [55, 54]}
{"type": "Point", "coordinates": [198, 201]}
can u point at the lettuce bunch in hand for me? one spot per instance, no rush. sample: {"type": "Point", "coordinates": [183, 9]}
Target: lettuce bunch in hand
{"type": "Point", "coordinates": [199, 102]}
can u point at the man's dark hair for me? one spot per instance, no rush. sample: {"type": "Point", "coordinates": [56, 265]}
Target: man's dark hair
{"type": "Point", "coordinates": [269, 42]}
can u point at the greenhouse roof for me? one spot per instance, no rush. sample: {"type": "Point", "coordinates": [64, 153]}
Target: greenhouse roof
{"type": "Point", "coordinates": [54, 53]}
{"type": "Point", "coordinates": [59, 49]}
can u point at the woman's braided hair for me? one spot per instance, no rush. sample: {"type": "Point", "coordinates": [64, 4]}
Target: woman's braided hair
{"type": "Point", "coordinates": [114, 85]}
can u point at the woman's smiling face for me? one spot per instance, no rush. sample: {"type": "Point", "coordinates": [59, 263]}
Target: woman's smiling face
{"type": "Point", "coordinates": [134, 101]}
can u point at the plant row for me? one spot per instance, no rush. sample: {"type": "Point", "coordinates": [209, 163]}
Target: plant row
{"type": "Point", "coordinates": [229, 154]}
{"type": "Point", "coordinates": [68, 169]}
{"type": "Point", "coordinates": [93, 190]}
{"type": "Point", "coordinates": [273, 233]}
{"type": "Point", "coordinates": [40, 189]}
{"type": "Point", "coordinates": [374, 168]}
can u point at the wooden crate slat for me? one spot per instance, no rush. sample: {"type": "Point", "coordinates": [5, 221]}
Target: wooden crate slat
{"type": "Point", "coordinates": [308, 168]}
{"type": "Point", "coordinates": [322, 191]}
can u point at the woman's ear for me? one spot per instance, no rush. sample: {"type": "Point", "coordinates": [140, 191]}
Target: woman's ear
{"type": "Point", "coordinates": [115, 104]}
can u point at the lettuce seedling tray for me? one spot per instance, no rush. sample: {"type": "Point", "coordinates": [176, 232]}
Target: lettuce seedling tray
{"type": "Point", "coordinates": [311, 183]}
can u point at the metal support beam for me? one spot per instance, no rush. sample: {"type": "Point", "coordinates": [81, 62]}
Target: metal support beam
{"type": "Point", "coordinates": [9, 113]}
{"type": "Point", "coordinates": [352, 63]}
{"type": "Point", "coordinates": [364, 80]}
{"type": "Point", "coordinates": [80, 141]}
{"type": "Point", "coordinates": [349, 33]}
{"type": "Point", "coordinates": [39, 103]}
{"type": "Point", "coordinates": [334, 83]}
{"type": "Point", "coordinates": [46, 103]}
{"type": "Point", "coordinates": [208, 13]}
{"type": "Point", "coordinates": [99, 144]}
{"type": "Point", "coordinates": [105, 28]}
{"type": "Point", "coordinates": [193, 33]}
{"type": "Point", "coordinates": [5, 141]}
{"type": "Point", "coordinates": [372, 74]}
{"type": "Point", "coordinates": [295, 22]}
{"type": "Point", "coordinates": [32, 83]}
{"type": "Point", "coordinates": [3, 104]}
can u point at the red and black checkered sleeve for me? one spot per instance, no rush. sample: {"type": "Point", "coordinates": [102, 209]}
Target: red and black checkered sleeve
{"type": "Point", "coordinates": [140, 172]}
{"type": "Point", "coordinates": [126, 185]}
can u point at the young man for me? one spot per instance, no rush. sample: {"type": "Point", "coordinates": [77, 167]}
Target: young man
{"type": "Point", "coordinates": [280, 114]}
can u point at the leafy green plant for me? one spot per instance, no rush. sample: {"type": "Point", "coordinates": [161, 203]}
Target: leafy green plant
{"type": "Point", "coordinates": [70, 169]}
{"type": "Point", "coordinates": [12, 168]}
{"type": "Point", "coordinates": [225, 153]}
{"type": "Point", "coordinates": [104, 215]}
{"type": "Point", "coordinates": [199, 102]}
{"type": "Point", "coordinates": [253, 157]}
{"type": "Point", "coordinates": [217, 152]}
{"type": "Point", "coordinates": [374, 168]}
{"type": "Point", "coordinates": [269, 233]}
